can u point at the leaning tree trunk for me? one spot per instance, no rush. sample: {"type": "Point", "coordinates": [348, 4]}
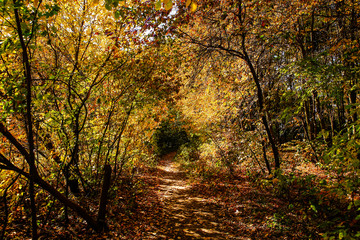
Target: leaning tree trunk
{"type": "Point", "coordinates": [7, 165]}
{"type": "Point", "coordinates": [262, 110]}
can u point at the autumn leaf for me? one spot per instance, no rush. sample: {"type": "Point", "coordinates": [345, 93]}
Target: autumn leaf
{"type": "Point", "coordinates": [188, 2]}
{"type": "Point", "coordinates": [193, 7]}
{"type": "Point", "coordinates": [168, 4]}
{"type": "Point", "coordinates": [158, 4]}
{"type": "Point", "coordinates": [122, 3]}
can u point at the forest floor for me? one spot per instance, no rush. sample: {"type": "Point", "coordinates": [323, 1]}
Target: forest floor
{"type": "Point", "coordinates": [218, 208]}
{"type": "Point", "coordinates": [163, 202]}
{"type": "Point", "coordinates": [187, 214]}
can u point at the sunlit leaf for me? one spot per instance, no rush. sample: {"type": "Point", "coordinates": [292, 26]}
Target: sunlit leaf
{"type": "Point", "coordinates": [158, 5]}
{"type": "Point", "coordinates": [188, 3]}
{"type": "Point", "coordinates": [168, 5]}
{"type": "Point", "coordinates": [193, 7]}
{"type": "Point", "coordinates": [122, 3]}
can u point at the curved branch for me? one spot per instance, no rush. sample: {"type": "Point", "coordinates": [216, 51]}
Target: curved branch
{"type": "Point", "coordinates": [14, 141]}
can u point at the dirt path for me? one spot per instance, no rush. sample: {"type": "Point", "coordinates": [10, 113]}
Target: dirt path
{"type": "Point", "coordinates": [186, 215]}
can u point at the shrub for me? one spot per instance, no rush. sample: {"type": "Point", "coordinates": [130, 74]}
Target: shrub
{"type": "Point", "coordinates": [168, 137]}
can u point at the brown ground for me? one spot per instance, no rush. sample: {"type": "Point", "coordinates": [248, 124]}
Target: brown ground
{"type": "Point", "coordinates": [219, 208]}
{"type": "Point", "coordinates": [186, 214]}
{"type": "Point", "coordinates": [162, 203]}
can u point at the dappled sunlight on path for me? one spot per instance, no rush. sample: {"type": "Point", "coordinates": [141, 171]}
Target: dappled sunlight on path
{"type": "Point", "coordinates": [186, 215]}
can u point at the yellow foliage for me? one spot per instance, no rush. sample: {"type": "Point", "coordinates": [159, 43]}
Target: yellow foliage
{"type": "Point", "coordinates": [193, 7]}
{"type": "Point", "coordinates": [275, 181]}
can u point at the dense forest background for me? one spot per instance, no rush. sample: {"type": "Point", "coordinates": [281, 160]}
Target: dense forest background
{"type": "Point", "coordinates": [94, 92]}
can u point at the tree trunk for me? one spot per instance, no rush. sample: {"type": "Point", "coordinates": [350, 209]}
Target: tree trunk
{"type": "Point", "coordinates": [6, 164]}
{"type": "Point", "coordinates": [28, 122]}
{"type": "Point", "coordinates": [262, 110]}
{"type": "Point", "coordinates": [265, 157]}
{"type": "Point", "coordinates": [352, 74]}
{"type": "Point", "coordinates": [103, 199]}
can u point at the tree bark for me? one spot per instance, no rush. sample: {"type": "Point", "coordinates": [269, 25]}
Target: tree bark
{"type": "Point", "coordinates": [265, 157]}
{"type": "Point", "coordinates": [28, 121]}
{"type": "Point", "coordinates": [103, 199]}
{"type": "Point", "coordinates": [262, 110]}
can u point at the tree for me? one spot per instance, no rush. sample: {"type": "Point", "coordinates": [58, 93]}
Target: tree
{"type": "Point", "coordinates": [85, 73]}
{"type": "Point", "coordinates": [238, 32]}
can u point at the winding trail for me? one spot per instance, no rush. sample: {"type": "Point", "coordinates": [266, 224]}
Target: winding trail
{"type": "Point", "coordinates": [186, 215]}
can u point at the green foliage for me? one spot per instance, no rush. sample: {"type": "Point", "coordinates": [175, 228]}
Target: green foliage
{"type": "Point", "coordinates": [168, 137]}
{"type": "Point", "coordinates": [319, 202]}
{"type": "Point", "coordinates": [201, 157]}
{"type": "Point", "coordinates": [189, 151]}
{"type": "Point", "coordinates": [344, 159]}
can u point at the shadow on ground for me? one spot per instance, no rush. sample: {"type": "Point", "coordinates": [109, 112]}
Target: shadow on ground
{"type": "Point", "coordinates": [186, 214]}
{"type": "Point", "coordinates": [219, 208]}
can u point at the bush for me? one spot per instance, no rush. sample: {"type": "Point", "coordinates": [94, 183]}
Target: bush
{"type": "Point", "coordinates": [168, 137]}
